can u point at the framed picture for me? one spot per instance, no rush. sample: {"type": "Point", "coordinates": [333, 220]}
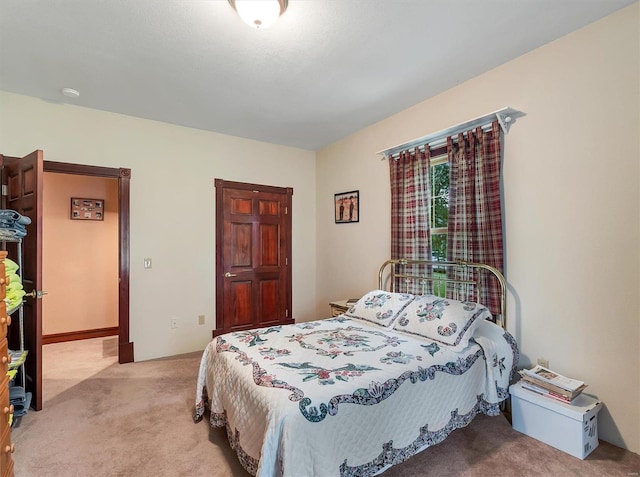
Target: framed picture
{"type": "Point", "coordinates": [347, 207]}
{"type": "Point", "coordinates": [86, 209]}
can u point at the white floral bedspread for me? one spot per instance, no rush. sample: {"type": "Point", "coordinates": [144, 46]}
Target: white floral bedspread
{"type": "Point", "coordinates": [343, 397]}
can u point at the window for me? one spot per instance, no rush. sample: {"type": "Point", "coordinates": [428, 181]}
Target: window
{"type": "Point", "coordinates": [439, 207]}
{"type": "Point", "coordinates": [439, 218]}
{"type": "Point", "coordinates": [471, 163]}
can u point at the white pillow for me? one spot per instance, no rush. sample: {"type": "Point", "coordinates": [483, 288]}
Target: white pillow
{"type": "Point", "coordinates": [380, 307]}
{"type": "Point", "coordinates": [447, 321]}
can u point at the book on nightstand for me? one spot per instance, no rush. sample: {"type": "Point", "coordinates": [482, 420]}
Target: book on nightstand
{"type": "Point", "coordinates": [551, 384]}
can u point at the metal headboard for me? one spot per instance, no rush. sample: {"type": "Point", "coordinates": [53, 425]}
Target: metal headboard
{"type": "Point", "coordinates": [394, 273]}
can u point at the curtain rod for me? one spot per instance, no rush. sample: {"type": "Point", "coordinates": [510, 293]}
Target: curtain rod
{"type": "Point", "coordinates": [505, 116]}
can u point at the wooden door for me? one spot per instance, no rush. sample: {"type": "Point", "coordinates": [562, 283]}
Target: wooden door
{"type": "Point", "coordinates": [23, 178]}
{"type": "Point", "coordinates": [253, 256]}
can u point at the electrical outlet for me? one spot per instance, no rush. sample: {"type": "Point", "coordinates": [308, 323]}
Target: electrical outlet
{"type": "Point", "coordinates": [543, 362]}
{"type": "Point", "coordinates": [147, 263]}
{"type": "Point", "coordinates": [174, 323]}
{"type": "Point", "coordinates": [201, 319]}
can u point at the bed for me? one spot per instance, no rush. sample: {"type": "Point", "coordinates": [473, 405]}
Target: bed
{"type": "Point", "coordinates": [355, 394]}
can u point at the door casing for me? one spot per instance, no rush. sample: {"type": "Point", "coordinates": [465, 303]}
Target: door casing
{"type": "Point", "coordinates": [125, 346]}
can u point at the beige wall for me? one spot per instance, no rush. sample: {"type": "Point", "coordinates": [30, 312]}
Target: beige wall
{"type": "Point", "coordinates": [80, 268]}
{"type": "Point", "coordinates": [572, 218]}
{"type": "Point", "coordinates": [172, 206]}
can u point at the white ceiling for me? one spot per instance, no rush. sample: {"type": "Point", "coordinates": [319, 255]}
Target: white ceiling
{"type": "Point", "coordinates": [325, 70]}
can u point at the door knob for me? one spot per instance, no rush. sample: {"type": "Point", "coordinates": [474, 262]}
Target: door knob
{"type": "Point", "coordinates": [36, 294]}
{"type": "Point", "coordinates": [230, 275]}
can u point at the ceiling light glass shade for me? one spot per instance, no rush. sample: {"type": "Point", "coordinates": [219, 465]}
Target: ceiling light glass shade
{"type": "Point", "coordinates": [259, 14]}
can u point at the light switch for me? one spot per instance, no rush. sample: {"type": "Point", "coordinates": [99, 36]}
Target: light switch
{"type": "Point", "coordinates": [147, 263]}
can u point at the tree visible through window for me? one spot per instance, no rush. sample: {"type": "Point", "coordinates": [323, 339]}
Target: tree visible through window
{"type": "Point", "coordinates": [439, 219]}
{"type": "Point", "coordinates": [439, 207]}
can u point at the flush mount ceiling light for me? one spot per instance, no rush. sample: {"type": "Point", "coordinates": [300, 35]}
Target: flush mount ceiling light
{"type": "Point", "coordinates": [259, 14]}
{"type": "Point", "coordinates": [70, 93]}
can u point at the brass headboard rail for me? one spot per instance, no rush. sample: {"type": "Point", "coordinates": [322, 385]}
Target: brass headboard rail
{"type": "Point", "coordinates": [393, 274]}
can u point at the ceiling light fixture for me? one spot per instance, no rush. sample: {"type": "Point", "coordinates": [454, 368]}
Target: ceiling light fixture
{"type": "Point", "coordinates": [259, 14]}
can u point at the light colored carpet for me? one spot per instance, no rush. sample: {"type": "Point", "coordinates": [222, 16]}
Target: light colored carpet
{"type": "Point", "coordinates": [100, 418]}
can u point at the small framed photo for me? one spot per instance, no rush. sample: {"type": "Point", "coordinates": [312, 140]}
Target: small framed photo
{"type": "Point", "coordinates": [86, 209]}
{"type": "Point", "coordinates": [347, 207]}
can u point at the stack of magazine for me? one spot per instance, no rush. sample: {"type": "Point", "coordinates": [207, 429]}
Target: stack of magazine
{"type": "Point", "coordinates": [551, 384]}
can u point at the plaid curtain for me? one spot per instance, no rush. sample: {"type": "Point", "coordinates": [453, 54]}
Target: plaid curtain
{"type": "Point", "coordinates": [475, 210]}
{"type": "Point", "coordinates": [410, 235]}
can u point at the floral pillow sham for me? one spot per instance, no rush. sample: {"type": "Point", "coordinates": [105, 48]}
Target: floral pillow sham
{"type": "Point", "coordinates": [447, 321]}
{"type": "Point", "coordinates": [380, 307]}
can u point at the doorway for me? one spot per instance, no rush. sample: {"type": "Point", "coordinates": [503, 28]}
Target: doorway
{"type": "Point", "coordinates": [22, 181]}
{"type": "Point", "coordinates": [123, 175]}
{"type": "Point", "coordinates": [80, 257]}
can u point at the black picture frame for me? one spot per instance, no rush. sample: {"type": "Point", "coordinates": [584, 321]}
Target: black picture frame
{"type": "Point", "coordinates": [346, 206]}
{"type": "Point", "coordinates": [86, 209]}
